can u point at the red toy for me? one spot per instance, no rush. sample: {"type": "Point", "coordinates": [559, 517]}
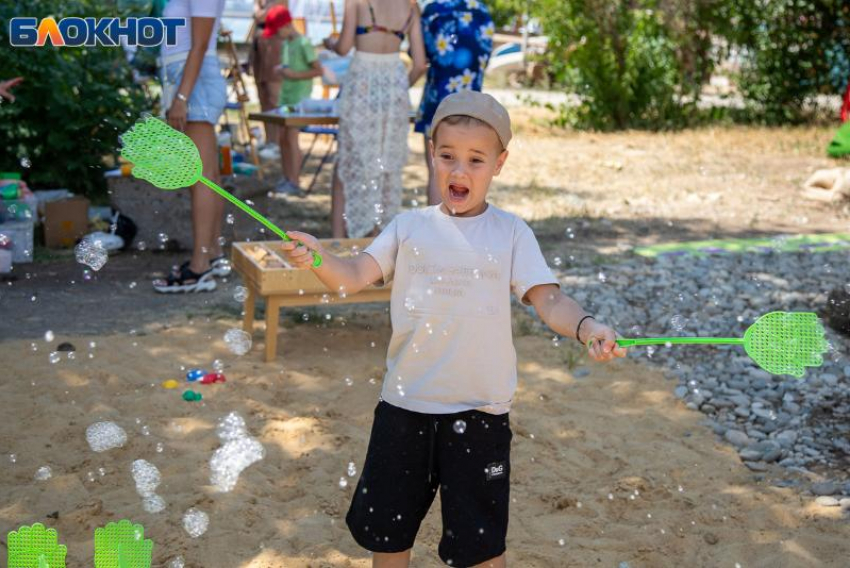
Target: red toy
{"type": "Point", "coordinates": [211, 378]}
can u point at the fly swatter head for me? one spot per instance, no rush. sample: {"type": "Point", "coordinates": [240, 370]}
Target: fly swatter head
{"type": "Point", "coordinates": [165, 157]}
{"type": "Point", "coordinates": [35, 546]}
{"type": "Point", "coordinates": [785, 343]}
{"type": "Point", "coordinates": [122, 545]}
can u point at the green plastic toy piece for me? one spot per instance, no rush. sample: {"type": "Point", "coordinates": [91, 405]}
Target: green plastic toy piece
{"type": "Point", "coordinates": [35, 547]}
{"type": "Point", "coordinates": [781, 343]}
{"type": "Point", "coordinates": [169, 159]}
{"type": "Point", "coordinates": [192, 396]}
{"type": "Point", "coordinates": [840, 145]}
{"type": "Point", "coordinates": [122, 545]}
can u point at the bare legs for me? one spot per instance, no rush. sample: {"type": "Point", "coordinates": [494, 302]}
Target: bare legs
{"type": "Point", "coordinates": [207, 207]}
{"type": "Point", "coordinates": [338, 229]}
{"type": "Point", "coordinates": [402, 560]}
{"type": "Point", "coordinates": [290, 153]}
{"type": "Point", "coordinates": [268, 93]}
{"type": "Point", "coordinates": [391, 559]}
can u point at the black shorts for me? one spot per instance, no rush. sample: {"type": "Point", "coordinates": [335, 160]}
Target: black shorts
{"type": "Point", "coordinates": [466, 454]}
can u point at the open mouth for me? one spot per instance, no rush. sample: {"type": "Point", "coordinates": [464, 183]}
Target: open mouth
{"type": "Point", "coordinates": [458, 193]}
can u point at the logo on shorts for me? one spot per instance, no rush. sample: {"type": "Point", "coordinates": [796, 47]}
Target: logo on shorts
{"type": "Point", "coordinates": [496, 470]}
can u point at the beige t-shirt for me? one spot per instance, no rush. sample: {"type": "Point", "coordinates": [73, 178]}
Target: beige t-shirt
{"type": "Point", "coordinates": [451, 349]}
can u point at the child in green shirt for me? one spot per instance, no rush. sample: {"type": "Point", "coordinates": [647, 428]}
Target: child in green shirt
{"type": "Point", "coordinates": [299, 65]}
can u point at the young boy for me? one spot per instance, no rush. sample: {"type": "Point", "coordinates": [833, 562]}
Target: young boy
{"type": "Point", "coordinates": [442, 421]}
{"type": "Point", "coordinates": [298, 66]}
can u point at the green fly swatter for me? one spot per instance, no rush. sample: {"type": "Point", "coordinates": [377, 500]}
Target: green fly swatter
{"type": "Point", "coordinates": [169, 159]}
{"type": "Point", "coordinates": [781, 343]}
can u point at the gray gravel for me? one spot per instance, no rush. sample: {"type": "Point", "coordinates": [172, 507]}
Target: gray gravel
{"type": "Point", "coordinates": [803, 425]}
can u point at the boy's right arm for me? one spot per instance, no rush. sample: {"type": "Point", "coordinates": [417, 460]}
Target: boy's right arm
{"type": "Point", "coordinates": [349, 275]}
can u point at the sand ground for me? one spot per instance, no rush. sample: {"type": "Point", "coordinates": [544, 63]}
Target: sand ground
{"type": "Point", "coordinates": [609, 464]}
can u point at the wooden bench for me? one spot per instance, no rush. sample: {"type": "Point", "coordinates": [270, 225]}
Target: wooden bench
{"type": "Point", "coordinates": [268, 276]}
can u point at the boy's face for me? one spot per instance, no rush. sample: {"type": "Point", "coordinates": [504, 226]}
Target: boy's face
{"type": "Point", "coordinates": [465, 158]}
{"type": "Point", "coordinates": [286, 31]}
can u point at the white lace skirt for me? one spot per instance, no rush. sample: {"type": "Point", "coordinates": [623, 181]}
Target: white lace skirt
{"type": "Point", "coordinates": [374, 108]}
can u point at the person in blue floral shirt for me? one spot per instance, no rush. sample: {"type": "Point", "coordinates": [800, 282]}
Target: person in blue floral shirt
{"type": "Point", "coordinates": [458, 38]}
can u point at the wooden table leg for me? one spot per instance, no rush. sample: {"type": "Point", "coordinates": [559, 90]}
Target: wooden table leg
{"type": "Point", "coordinates": [272, 319]}
{"type": "Point", "coordinates": [250, 305]}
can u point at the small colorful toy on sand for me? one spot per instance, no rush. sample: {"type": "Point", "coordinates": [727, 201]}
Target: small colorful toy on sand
{"type": "Point", "coordinates": [195, 375]}
{"type": "Point", "coordinates": [170, 384]}
{"type": "Point", "coordinates": [192, 396]}
{"type": "Point", "coordinates": [211, 378]}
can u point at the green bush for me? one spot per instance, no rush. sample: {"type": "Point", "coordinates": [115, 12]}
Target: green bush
{"type": "Point", "coordinates": [793, 50]}
{"type": "Point", "coordinates": [621, 58]}
{"type": "Point", "coordinates": [71, 107]}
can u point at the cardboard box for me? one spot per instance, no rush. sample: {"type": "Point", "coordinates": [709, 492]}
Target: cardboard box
{"type": "Point", "coordinates": [65, 221]}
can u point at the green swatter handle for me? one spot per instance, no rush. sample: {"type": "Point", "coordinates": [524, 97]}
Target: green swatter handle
{"type": "Point", "coordinates": [317, 258]}
{"type": "Point", "coordinates": [681, 341]}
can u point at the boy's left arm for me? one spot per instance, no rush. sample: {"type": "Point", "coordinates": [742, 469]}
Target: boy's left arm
{"type": "Point", "coordinates": [314, 71]}
{"type": "Point", "coordinates": [562, 314]}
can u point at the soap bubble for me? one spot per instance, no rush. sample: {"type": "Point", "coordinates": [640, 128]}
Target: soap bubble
{"type": "Point", "coordinates": [91, 253]}
{"type": "Point", "coordinates": [153, 504]}
{"type": "Point", "coordinates": [25, 162]}
{"type": "Point", "coordinates": [218, 365]}
{"type": "Point", "coordinates": [43, 473]}
{"type": "Point", "coordinates": [146, 476]}
{"type": "Point", "coordinates": [352, 469]}
{"type": "Point", "coordinates": [230, 219]}
{"type": "Point", "coordinates": [55, 357]}
{"type": "Point", "coordinates": [176, 562]}
{"type": "Point", "coordinates": [103, 436]}
{"type": "Point", "coordinates": [678, 322]}
{"type": "Point", "coordinates": [48, 336]}
{"type": "Point", "coordinates": [238, 451]}
{"type": "Point", "coordinates": [196, 522]}
{"type": "Point", "coordinates": [240, 294]}
{"type": "Point", "coordinates": [343, 483]}
{"type": "Point", "coordinates": [459, 426]}
{"type": "Point", "coordinates": [238, 341]}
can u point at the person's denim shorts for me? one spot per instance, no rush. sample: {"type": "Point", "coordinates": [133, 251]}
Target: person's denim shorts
{"type": "Point", "coordinates": [206, 103]}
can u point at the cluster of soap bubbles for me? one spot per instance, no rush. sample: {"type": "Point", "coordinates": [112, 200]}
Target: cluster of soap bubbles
{"type": "Point", "coordinates": [238, 451]}
{"type": "Point", "coordinates": [91, 253]}
{"type": "Point", "coordinates": [103, 436]}
{"type": "Point", "coordinates": [43, 473]}
{"type": "Point", "coordinates": [148, 478]}
{"type": "Point", "coordinates": [195, 522]}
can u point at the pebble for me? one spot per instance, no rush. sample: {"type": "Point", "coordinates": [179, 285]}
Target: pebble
{"type": "Point", "coordinates": [580, 372]}
{"type": "Point", "coordinates": [756, 465]}
{"type": "Point", "coordinates": [824, 488]}
{"type": "Point", "coordinates": [826, 501]}
{"type": "Point", "coordinates": [737, 438]}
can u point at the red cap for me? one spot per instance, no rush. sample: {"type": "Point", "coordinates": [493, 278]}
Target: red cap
{"type": "Point", "coordinates": [277, 17]}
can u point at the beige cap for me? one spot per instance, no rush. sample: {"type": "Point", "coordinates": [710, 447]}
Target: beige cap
{"type": "Point", "coordinates": [477, 105]}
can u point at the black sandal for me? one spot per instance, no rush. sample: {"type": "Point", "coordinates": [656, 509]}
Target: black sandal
{"type": "Point", "coordinates": [185, 280]}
